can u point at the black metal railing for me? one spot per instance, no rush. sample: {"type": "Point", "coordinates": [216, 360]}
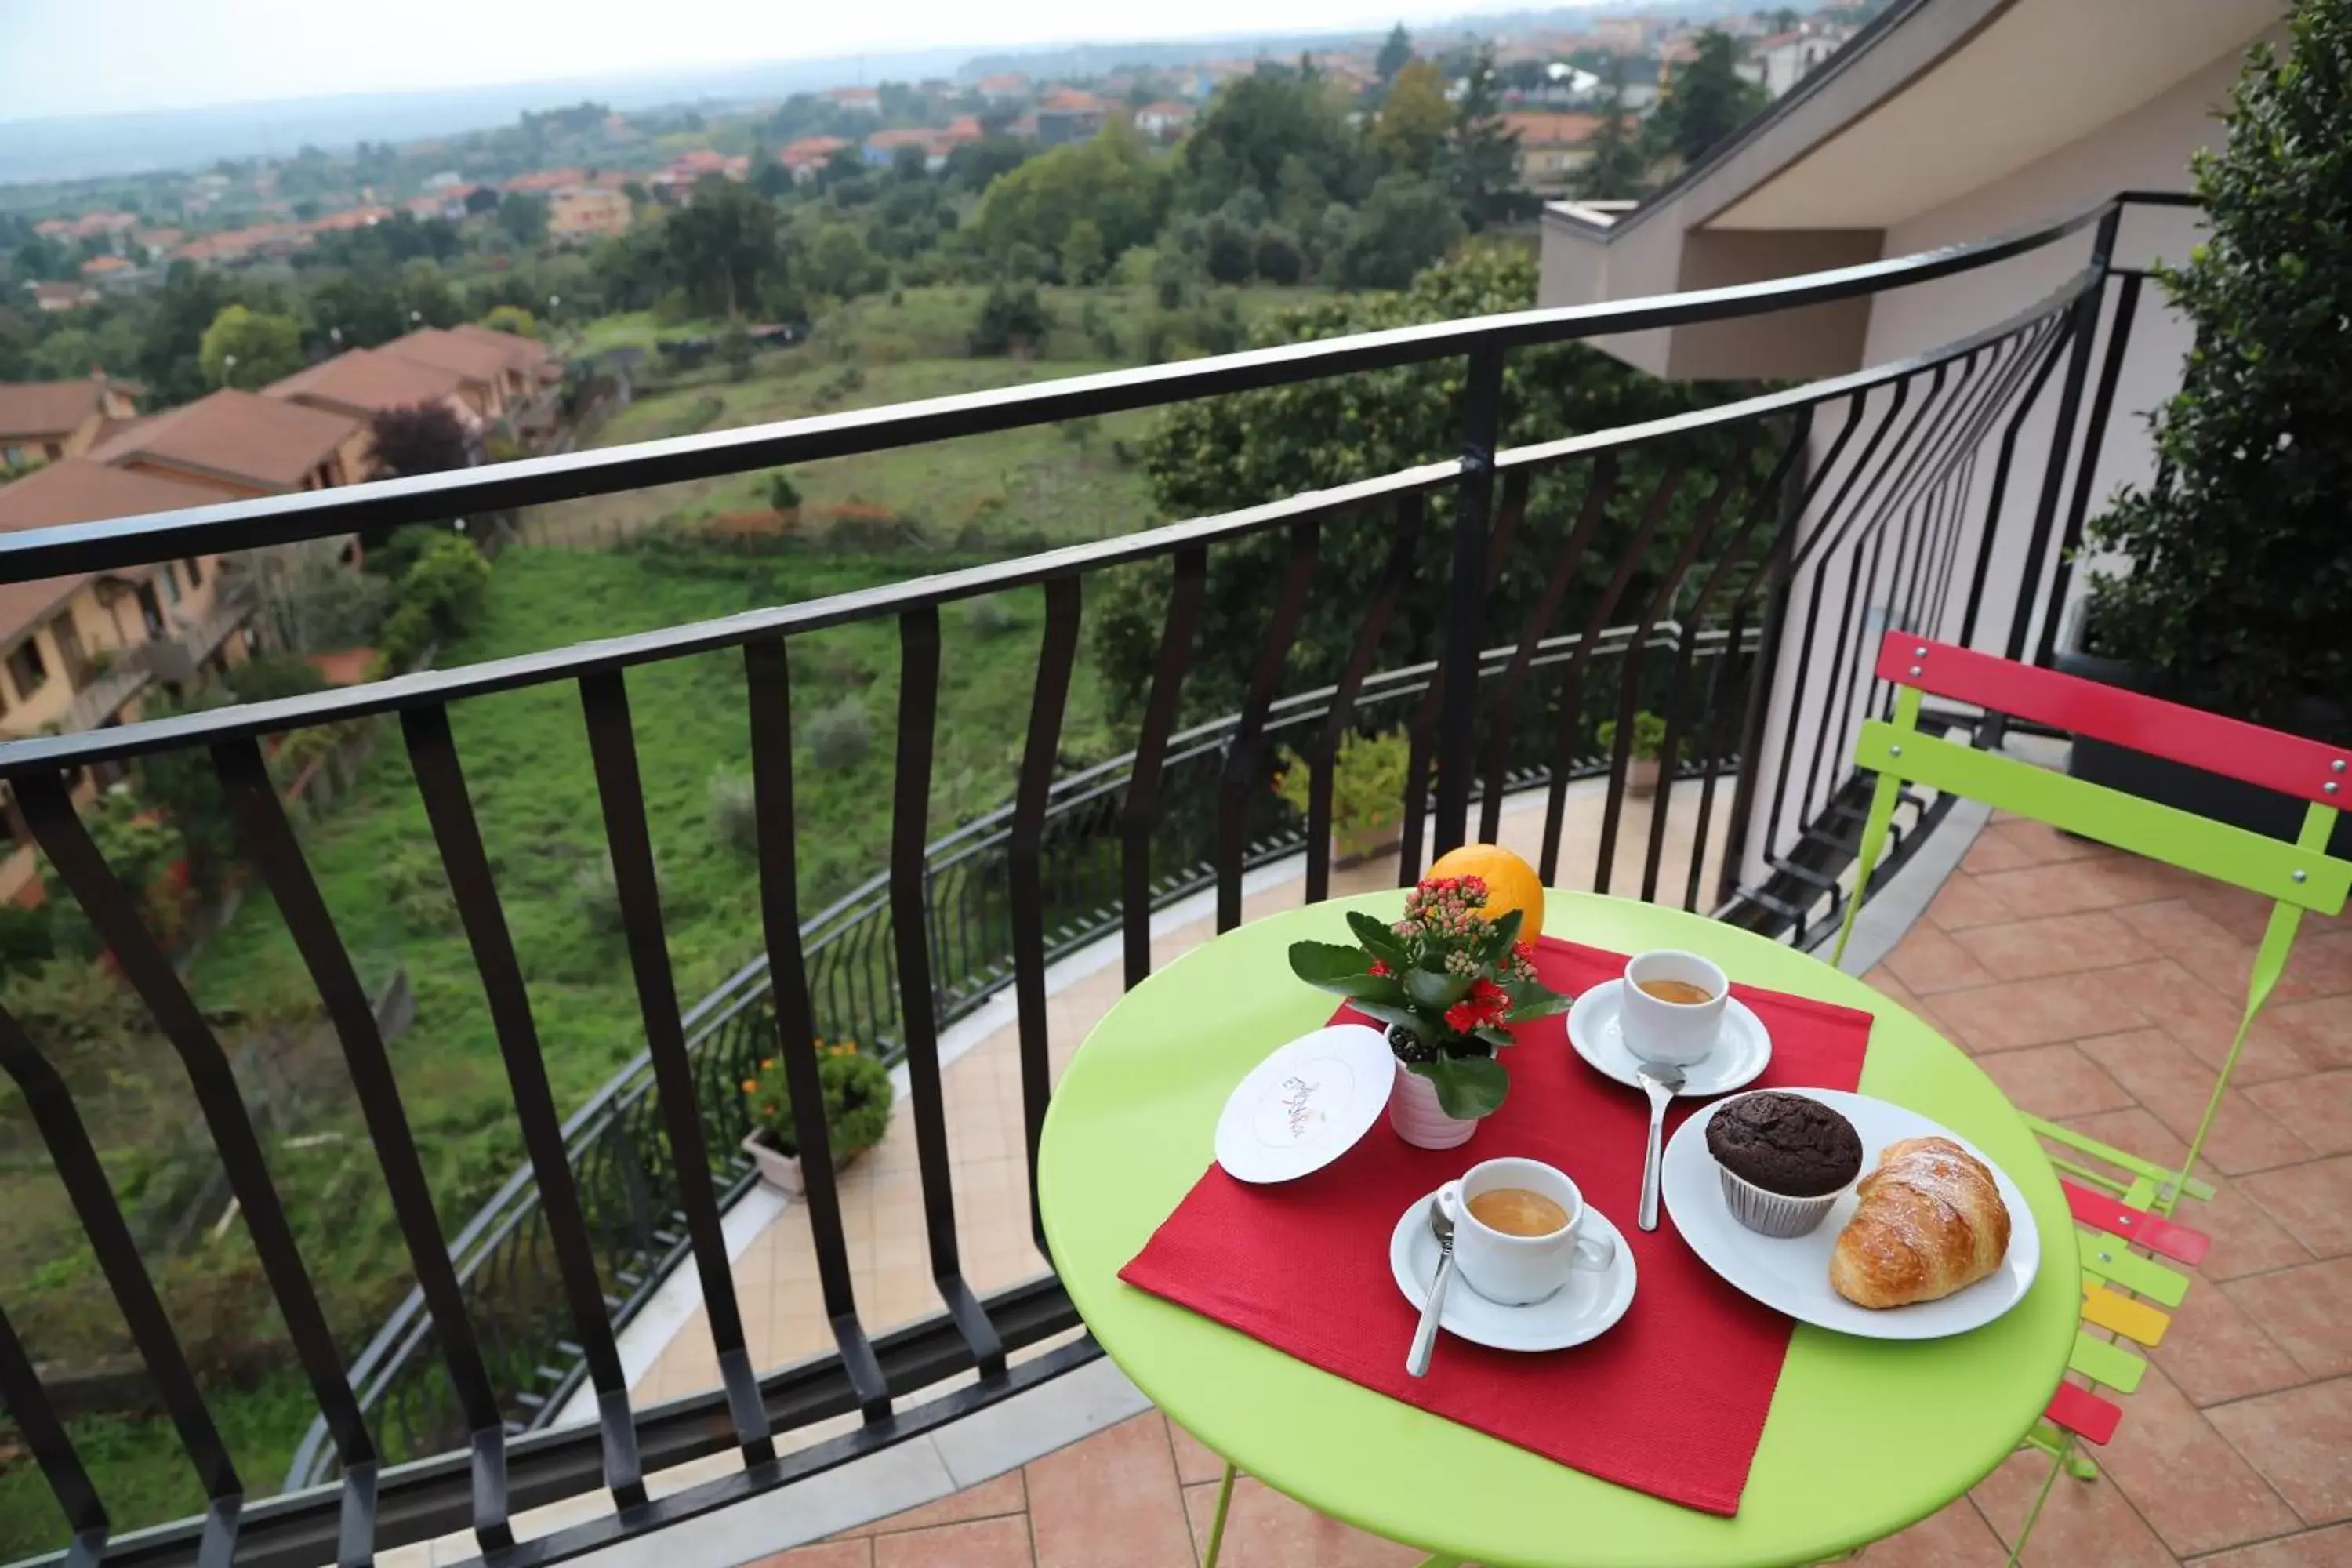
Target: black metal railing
{"type": "Point", "coordinates": [1746, 552]}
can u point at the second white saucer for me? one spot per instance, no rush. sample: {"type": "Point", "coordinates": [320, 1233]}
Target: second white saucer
{"type": "Point", "coordinates": [1597, 1031]}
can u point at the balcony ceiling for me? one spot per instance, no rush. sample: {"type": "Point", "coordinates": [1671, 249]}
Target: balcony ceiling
{"type": "Point", "coordinates": [2039, 75]}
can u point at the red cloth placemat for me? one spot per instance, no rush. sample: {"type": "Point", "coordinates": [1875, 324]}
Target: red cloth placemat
{"type": "Point", "coordinates": [1671, 1402]}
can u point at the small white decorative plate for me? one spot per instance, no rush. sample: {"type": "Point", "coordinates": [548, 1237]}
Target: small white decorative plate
{"type": "Point", "coordinates": [1743, 1049]}
{"type": "Point", "coordinates": [1587, 1307]}
{"type": "Point", "coordinates": [1792, 1276]}
{"type": "Point", "coordinates": [1307, 1104]}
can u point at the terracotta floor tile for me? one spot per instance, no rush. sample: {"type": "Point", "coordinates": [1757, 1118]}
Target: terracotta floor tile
{"type": "Point", "coordinates": [2317, 1110]}
{"type": "Point", "coordinates": [1264, 1529]}
{"type": "Point", "coordinates": [983, 1543]}
{"type": "Point", "coordinates": [2321, 966]}
{"type": "Point", "coordinates": [2174, 926]}
{"type": "Point", "coordinates": [2214, 1352]}
{"type": "Point", "coordinates": [2066, 889]}
{"type": "Point", "coordinates": [2042, 845]}
{"type": "Point", "coordinates": [2312, 1202]}
{"type": "Point", "coordinates": [2205, 1022]}
{"type": "Point", "coordinates": [1195, 1460]}
{"type": "Point", "coordinates": [2133, 1131]}
{"type": "Point", "coordinates": [2297, 1439]}
{"type": "Point", "coordinates": [2308, 1548]}
{"type": "Point", "coordinates": [2054, 1081]}
{"type": "Point", "coordinates": [2304, 1310]}
{"type": "Point", "coordinates": [2246, 1239]}
{"type": "Point", "coordinates": [989, 1499]}
{"type": "Point", "coordinates": [1110, 1502]}
{"type": "Point", "coordinates": [2054, 944]}
{"type": "Point", "coordinates": [2172, 1085]}
{"type": "Point", "coordinates": [2184, 1479]}
{"type": "Point", "coordinates": [2015, 1013]}
{"type": "Point", "coordinates": [1882, 979]}
{"type": "Point", "coordinates": [1928, 961]}
{"type": "Point", "coordinates": [2321, 1029]}
{"type": "Point", "coordinates": [2085, 1524]}
{"type": "Point", "coordinates": [1964, 901]}
{"type": "Point", "coordinates": [1992, 852]}
{"type": "Point", "coordinates": [1955, 1537]}
{"type": "Point", "coordinates": [823, 1554]}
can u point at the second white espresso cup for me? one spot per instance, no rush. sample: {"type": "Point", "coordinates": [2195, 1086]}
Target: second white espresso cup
{"type": "Point", "coordinates": [1672, 1033]}
{"type": "Point", "coordinates": [1518, 1270]}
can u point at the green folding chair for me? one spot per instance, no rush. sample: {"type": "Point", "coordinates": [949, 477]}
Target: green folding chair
{"type": "Point", "coordinates": [2128, 1238]}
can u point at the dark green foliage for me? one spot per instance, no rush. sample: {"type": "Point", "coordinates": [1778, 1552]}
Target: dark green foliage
{"type": "Point", "coordinates": [1617, 170]}
{"type": "Point", "coordinates": [722, 249]}
{"type": "Point", "coordinates": [1707, 101]}
{"type": "Point", "coordinates": [1284, 137]}
{"type": "Point", "coordinates": [1251, 448]}
{"type": "Point", "coordinates": [1395, 54]}
{"type": "Point", "coordinates": [1011, 317]}
{"type": "Point", "coordinates": [783, 494]}
{"type": "Point", "coordinates": [1481, 159]}
{"type": "Point", "coordinates": [2241, 575]}
{"type": "Point", "coordinates": [270, 676]}
{"type": "Point", "coordinates": [1403, 225]}
{"type": "Point", "coordinates": [856, 1091]}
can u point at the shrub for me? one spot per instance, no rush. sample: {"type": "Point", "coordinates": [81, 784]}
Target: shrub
{"type": "Point", "coordinates": [1367, 783]}
{"type": "Point", "coordinates": [992, 617]}
{"type": "Point", "coordinates": [838, 736]}
{"type": "Point", "coordinates": [26, 938]}
{"type": "Point", "coordinates": [1012, 319]}
{"type": "Point", "coordinates": [783, 494]}
{"type": "Point", "coordinates": [449, 583]}
{"type": "Point", "coordinates": [2238, 572]}
{"type": "Point", "coordinates": [857, 1093]}
{"type": "Point", "coordinates": [734, 812]}
{"type": "Point", "coordinates": [1649, 735]}
{"type": "Point", "coordinates": [392, 557]}
{"type": "Point", "coordinates": [271, 676]}
{"type": "Point", "coordinates": [596, 890]}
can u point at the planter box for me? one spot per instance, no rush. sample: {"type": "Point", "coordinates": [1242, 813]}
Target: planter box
{"type": "Point", "coordinates": [2176, 784]}
{"type": "Point", "coordinates": [1351, 849]}
{"type": "Point", "coordinates": [782, 1171]}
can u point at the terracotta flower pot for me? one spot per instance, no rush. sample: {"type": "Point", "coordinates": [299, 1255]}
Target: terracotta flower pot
{"type": "Point", "coordinates": [1642, 778]}
{"type": "Point", "coordinates": [1419, 1120]}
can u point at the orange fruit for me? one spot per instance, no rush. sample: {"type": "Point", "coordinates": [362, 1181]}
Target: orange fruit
{"type": "Point", "coordinates": [1511, 883]}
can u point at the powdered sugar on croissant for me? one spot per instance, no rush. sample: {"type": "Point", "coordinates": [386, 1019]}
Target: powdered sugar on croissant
{"type": "Point", "coordinates": [1930, 1222]}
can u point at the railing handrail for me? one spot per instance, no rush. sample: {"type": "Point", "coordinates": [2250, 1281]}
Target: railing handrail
{"type": "Point", "coordinates": [312, 515]}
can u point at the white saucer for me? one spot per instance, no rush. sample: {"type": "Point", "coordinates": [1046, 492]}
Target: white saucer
{"type": "Point", "coordinates": [1587, 1307]}
{"type": "Point", "coordinates": [1307, 1104]}
{"type": "Point", "coordinates": [1793, 1275]}
{"type": "Point", "coordinates": [1596, 1028]}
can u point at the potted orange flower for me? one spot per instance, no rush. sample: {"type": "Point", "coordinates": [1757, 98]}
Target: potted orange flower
{"type": "Point", "coordinates": [857, 1095]}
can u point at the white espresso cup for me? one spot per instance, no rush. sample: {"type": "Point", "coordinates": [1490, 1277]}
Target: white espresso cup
{"type": "Point", "coordinates": [1519, 1270]}
{"type": "Point", "coordinates": [1675, 1034]}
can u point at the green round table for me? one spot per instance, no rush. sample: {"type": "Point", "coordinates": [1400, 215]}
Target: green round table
{"type": "Point", "coordinates": [1864, 1437]}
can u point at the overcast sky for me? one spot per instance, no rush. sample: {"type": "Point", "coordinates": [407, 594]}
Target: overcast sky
{"type": "Point", "coordinates": [95, 57]}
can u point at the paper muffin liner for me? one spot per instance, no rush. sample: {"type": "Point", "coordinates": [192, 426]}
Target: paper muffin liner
{"type": "Point", "coordinates": [1772, 1213]}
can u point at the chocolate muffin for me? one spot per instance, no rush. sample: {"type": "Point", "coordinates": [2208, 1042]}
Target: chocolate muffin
{"type": "Point", "coordinates": [1785, 1143]}
{"type": "Point", "coordinates": [1783, 1159]}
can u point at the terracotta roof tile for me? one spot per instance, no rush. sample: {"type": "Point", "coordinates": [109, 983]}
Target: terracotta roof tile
{"type": "Point", "coordinates": [265, 441]}
{"type": "Point", "coordinates": [467, 354]}
{"type": "Point", "coordinates": [45, 407]}
{"type": "Point", "coordinates": [365, 382]}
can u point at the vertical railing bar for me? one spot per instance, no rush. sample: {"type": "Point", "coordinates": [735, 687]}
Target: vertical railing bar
{"type": "Point", "coordinates": [1601, 484]}
{"type": "Point", "coordinates": [29, 1405]}
{"type": "Point", "coordinates": [1242, 766]}
{"type": "Point", "coordinates": [612, 754]}
{"type": "Point", "coordinates": [1403, 540]}
{"type": "Point", "coordinates": [1056, 656]}
{"type": "Point", "coordinates": [910, 806]}
{"type": "Point", "coordinates": [1629, 685]}
{"type": "Point", "coordinates": [2051, 354]}
{"type": "Point", "coordinates": [69, 847]}
{"type": "Point", "coordinates": [1950, 574]}
{"type": "Point", "coordinates": [83, 1176]}
{"type": "Point", "coordinates": [2085, 311]}
{"type": "Point", "coordinates": [1821, 776]}
{"type": "Point", "coordinates": [2094, 435]}
{"type": "Point", "coordinates": [1482, 404]}
{"type": "Point", "coordinates": [269, 840]}
{"type": "Point", "coordinates": [1571, 684]}
{"type": "Point", "coordinates": [1729, 876]}
{"type": "Point", "coordinates": [1670, 748]}
{"type": "Point", "coordinates": [441, 783]}
{"type": "Point", "coordinates": [1191, 568]}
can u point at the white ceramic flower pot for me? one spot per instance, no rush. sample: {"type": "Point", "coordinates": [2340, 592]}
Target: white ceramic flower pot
{"type": "Point", "coordinates": [1417, 1117]}
{"type": "Point", "coordinates": [777, 1169]}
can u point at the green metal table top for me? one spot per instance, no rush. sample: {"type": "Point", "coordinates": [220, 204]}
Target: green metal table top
{"type": "Point", "coordinates": [1864, 1437]}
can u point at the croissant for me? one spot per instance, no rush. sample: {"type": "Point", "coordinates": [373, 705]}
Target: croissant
{"type": "Point", "coordinates": [1930, 1222]}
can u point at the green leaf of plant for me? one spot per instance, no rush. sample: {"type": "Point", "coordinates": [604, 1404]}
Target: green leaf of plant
{"type": "Point", "coordinates": [1551, 1004]}
{"type": "Point", "coordinates": [1326, 962]}
{"type": "Point", "coordinates": [1467, 1087]}
{"type": "Point", "coordinates": [1505, 931]}
{"type": "Point", "coordinates": [1497, 1038]}
{"type": "Point", "coordinates": [1434, 989]}
{"type": "Point", "coordinates": [1388, 1012]}
{"type": "Point", "coordinates": [1378, 939]}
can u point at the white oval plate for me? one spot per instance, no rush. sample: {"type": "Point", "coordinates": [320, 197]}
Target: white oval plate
{"type": "Point", "coordinates": [1792, 1276]}
{"type": "Point", "coordinates": [1306, 1105]}
{"type": "Point", "coordinates": [1587, 1307]}
{"type": "Point", "coordinates": [1744, 1048]}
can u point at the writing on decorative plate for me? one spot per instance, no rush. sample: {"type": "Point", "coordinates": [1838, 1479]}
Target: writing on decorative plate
{"type": "Point", "coordinates": [1301, 1116]}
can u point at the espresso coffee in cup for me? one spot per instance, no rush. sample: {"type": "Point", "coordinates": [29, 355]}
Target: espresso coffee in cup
{"type": "Point", "coordinates": [1517, 1211]}
{"type": "Point", "coordinates": [1517, 1226]}
{"type": "Point", "coordinates": [1671, 1007]}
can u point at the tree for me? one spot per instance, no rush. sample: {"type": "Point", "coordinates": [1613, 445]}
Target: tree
{"type": "Point", "coordinates": [910, 164]}
{"type": "Point", "coordinates": [974, 166]}
{"type": "Point", "coordinates": [1082, 252]}
{"type": "Point", "coordinates": [524, 216]}
{"type": "Point", "coordinates": [2238, 572]}
{"type": "Point", "coordinates": [1108, 180]}
{"type": "Point", "coordinates": [1481, 160]}
{"type": "Point", "coordinates": [249, 349]}
{"type": "Point", "coordinates": [1279, 258]}
{"type": "Point", "coordinates": [1706, 101]}
{"type": "Point", "coordinates": [357, 308]}
{"type": "Point", "coordinates": [1253, 130]}
{"type": "Point", "coordinates": [840, 265]}
{"type": "Point", "coordinates": [1415, 121]}
{"type": "Point", "coordinates": [1403, 225]}
{"type": "Point", "coordinates": [1615, 170]}
{"type": "Point", "coordinates": [1247, 448]}
{"type": "Point", "coordinates": [511, 319]}
{"type": "Point", "coordinates": [1395, 54]}
{"type": "Point", "coordinates": [422, 438]}
{"type": "Point", "coordinates": [722, 248]}
{"type": "Point", "coordinates": [1013, 319]}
